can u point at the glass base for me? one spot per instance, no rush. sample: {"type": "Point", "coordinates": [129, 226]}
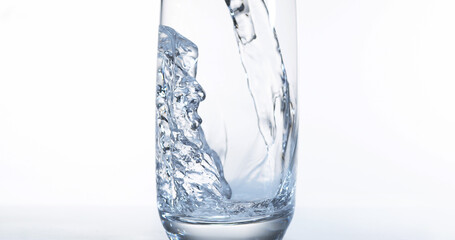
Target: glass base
{"type": "Point", "coordinates": [263, 229]}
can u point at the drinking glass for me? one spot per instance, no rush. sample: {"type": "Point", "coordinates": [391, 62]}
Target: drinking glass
{"type": "Point", "coordinates": [226, 118]}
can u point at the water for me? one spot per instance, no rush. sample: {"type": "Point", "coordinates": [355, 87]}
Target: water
{"type": "Point", "coordinates": [190, 174]}
{"type": "Point", "coordinates": [267, 82]}
{"type": "Point", "coordinates": [191, 183]}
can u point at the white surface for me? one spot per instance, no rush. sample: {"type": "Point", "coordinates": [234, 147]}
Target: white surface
{"type": "Point", "coordinates": [376, 104]}
{"type": "Point", "coordinates": [140, 223]}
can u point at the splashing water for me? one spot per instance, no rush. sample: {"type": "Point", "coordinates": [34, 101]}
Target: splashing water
{"type": "Point", "coordinates": [190, 174]}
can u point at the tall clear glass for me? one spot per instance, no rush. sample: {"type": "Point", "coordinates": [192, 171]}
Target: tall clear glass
{"type": "Point", "coordinates": [226, 118]}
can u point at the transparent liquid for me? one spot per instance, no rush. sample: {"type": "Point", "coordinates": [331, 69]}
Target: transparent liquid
{"type": "Point", "coordinates": [191, 183]}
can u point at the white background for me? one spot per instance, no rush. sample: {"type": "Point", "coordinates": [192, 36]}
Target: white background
{"type": "Point", "coordinates": [377, 106]}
